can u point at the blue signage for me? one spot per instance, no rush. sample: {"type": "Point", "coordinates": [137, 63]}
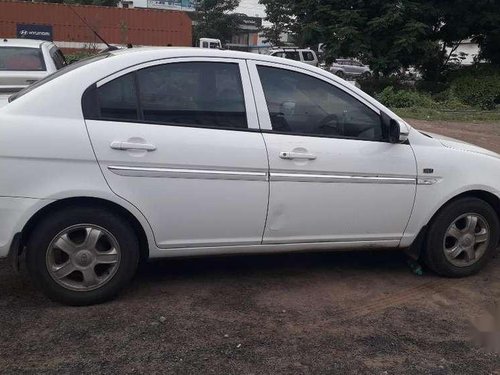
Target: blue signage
{"type": "Point", "coordinates": [32, 31]}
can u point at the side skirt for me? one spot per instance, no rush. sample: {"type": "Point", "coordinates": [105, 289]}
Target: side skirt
{"type": "Point", "coordinates": [274, 248]}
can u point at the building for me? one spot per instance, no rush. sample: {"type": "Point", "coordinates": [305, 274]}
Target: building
{"type": "Point", "coordinates": [182, 5]}
{"type": "Point", "coordinates": [70, 26]}
{"type": "Point", "coordinates": [247, 35]}
{"type": "Point", "coordinates": [245, 38]}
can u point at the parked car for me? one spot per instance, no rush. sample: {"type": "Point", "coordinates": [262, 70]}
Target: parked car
{"type": "Point", "coordinates": [24, 61]}
{"type": "Point", "coordinates": [349, 68]}
{"type": "Point", "coordinates": [306, 56]}
{"type": "Point", "coordinates": [151, 153]}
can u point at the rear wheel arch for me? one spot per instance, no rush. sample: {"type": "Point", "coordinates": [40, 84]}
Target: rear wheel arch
{"type": "Point", "coordinates": [88, 202]}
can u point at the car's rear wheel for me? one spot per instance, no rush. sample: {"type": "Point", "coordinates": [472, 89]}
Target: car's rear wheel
{"type": "Point", "coordinates": [340, 74]}
{"type": "Point", "coordinates": [462, 237]}
{"type": "Point", "coordinates": [82, 255]}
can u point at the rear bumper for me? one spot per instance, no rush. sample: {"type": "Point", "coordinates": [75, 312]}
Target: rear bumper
{"type": "Point", "coordinates": [14, 214]}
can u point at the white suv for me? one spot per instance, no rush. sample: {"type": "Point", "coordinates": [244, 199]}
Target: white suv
{"type": "Point", "coordinates": [151, 153]}
{"type": "Point", "coordinates": [306, 56]}
{"type": "Point", "coordinates": [350, 68]}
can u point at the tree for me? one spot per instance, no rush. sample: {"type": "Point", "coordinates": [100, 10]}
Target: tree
{"type": "Point", "coordinates": [488, 32]}
{"type": "Point", "coordinates": [279, 15]}
{"type": "Point", "coordinates": [393, 34]}
{"type": "Point", "coordinates": [214, 20]}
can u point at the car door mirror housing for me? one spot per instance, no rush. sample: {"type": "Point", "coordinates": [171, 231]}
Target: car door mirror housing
{"type": "Point", "coordinates": [394, 130]}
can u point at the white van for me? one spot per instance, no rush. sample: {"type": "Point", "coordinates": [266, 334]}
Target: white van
{"type": "Point", "coordinates": [210, 43]}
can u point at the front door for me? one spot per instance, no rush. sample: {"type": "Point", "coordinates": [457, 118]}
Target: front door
{"type": "Point", "coordinates": [180, 141]}
{"type": "Point", "coordinates": [334, 178]}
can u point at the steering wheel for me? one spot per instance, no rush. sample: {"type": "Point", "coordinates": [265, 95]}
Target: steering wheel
{"type": "Point", "coordinates": [330, 124]}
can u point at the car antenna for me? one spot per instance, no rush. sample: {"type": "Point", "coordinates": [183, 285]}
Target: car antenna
{"type": "Point", "coordinates": [109, 46]}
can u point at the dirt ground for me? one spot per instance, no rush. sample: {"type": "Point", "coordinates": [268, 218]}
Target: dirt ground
{"type": "Point", "coordinates": [336, 313]}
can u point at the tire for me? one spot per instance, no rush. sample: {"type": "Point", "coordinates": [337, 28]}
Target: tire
{"type": "Point", "coordinates": [102, 243]}
{"type": "Point", "coordinates": [340, 74]}
{"type": "Point", "coordinates": [444, 242]}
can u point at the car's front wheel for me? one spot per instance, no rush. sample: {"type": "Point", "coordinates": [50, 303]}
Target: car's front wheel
{"type": "Point", "coordinates": [462, 237]}
{"type": "Point", "coordinates": [82, 255]}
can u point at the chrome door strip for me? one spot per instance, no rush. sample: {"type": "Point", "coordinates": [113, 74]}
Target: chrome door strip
{"type": "Point", "coordinates": [210, 174]}
{"type": "Point", "coordinates": [337, 178]}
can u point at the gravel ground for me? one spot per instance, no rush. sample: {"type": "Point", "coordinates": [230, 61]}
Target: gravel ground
{"type": "Point", "coordinates": [359, 313]}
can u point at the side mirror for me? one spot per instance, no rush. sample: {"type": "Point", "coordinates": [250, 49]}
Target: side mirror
{"type": "Point", "coordinates": [395, 131]}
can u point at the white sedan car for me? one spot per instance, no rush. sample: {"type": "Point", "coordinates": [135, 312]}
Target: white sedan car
{"type": "Point", "coordinates": [24, 61]}
{"type": "Point", "coordinates": [150, 153]}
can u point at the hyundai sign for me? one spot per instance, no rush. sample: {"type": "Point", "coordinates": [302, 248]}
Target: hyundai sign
{"type": "Point", "coordinates": [32, 31]}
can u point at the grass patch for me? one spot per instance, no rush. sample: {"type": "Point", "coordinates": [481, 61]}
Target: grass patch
{"type": "Point", "coordinates": [433, 114]}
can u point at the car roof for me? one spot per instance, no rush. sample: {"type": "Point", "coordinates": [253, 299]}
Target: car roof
{"type": "Point", "coordinates": [154, 53]}
{"type": "Point", "coordinates": [28, 43]}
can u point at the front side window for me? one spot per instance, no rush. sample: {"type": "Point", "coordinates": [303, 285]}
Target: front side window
{"type": "Point", "coordinates": [188, 94]}
{"type": "Point", "coordinates": [292, 55]}
{"type": "Point", "coordinates": [21, 59]}
{"type": "Point", "coordinates": [303, 105]}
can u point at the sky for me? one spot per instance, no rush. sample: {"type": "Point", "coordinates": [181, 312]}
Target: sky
{"type": "Point", "coordinates": [251, 8]}
{"type": "Point", "coordinates": [248, 7]}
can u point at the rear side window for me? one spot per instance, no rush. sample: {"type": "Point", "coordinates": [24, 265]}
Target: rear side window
{"type": "Point", "coordinates": [187, 94]}
{"type": "Point", "coordinates": [21, 59]}
{"type": "Point", "coordinates": [58, 58]}
{"type": "Point", "coordinates": [117, 99]}
{"type": "Point", "coordinates": [308, 56]}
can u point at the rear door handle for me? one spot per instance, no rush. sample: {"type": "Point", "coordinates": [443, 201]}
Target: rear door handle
{"type": "Point", "coordinates": [290, 155]}
{"type": "Point", "coordinates": [119, 145]}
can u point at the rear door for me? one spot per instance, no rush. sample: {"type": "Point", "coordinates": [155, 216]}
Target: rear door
{"type": "Point", "coordinates": [180, 140]}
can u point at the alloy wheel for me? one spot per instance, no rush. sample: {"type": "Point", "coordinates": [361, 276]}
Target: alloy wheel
{"type": "Point", "coordinates": [83, 257]}
{"type": "Point", "coordinates": [466, 240]}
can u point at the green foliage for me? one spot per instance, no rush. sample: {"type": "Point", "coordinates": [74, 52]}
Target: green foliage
{"type": "Point", "coordinates": [404, 99]}
{"type": "Point", "coordinates": [392, 34]}
{"type": "Point", "coordinates": [375, 85]}
{"type": "Point", "coordinates": [483, 92]}
{"type": "Point", "coordinates": [214, 20]}
{"type": "Point", "coordinates": [444, 114]}
{"type": "Point", "coordinates": [79, 55]}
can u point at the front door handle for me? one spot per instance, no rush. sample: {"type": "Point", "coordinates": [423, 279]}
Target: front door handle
{"type": "Point", "coordinates": [119, 145]}
{"type": "Point", "coordinates": [290, 155]}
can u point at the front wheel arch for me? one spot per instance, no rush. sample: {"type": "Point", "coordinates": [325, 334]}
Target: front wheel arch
{"type": "Point", "coordinates": [416, 248]}
{"type": "Point", "coordinates": [86, 202]}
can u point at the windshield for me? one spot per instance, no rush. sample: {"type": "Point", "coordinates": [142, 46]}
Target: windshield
{"type": "Point", "coordinates": [58, 73]}
{"type": "Point", "coordinates": [21, 59]}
